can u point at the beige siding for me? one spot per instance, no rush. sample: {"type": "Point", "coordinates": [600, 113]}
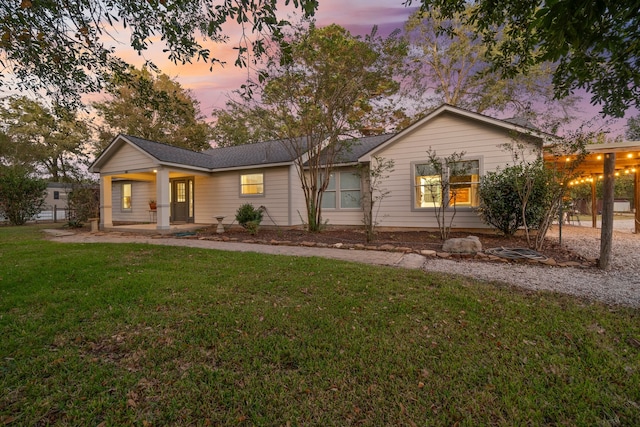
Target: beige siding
{"type": "Point", "coordinates": [298, 211]}
{"type": "Point", "coordinates": [127, 158]}
{"type": "Point", "coordinates": [219, 195]}
{"type": "Point", "coordinates": [445, 134]}
{"type": "Point", "coordinates": [141, 193]}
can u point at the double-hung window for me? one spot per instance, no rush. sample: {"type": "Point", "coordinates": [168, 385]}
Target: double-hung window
{"type": "Point", "coordinates": [343, 191]}
{"type": "Point", "coordinates": [252, 184]}
{"type": "Point", "coordinates": [456, 185]}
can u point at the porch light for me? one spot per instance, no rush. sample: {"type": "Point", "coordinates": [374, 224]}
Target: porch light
{"type": "Point", "coordinates": [626, 171]}
{"type": "Point", "coordinates": [633, 170]}
{"type": "Point", "coordinates": [155, 171]}
{"type": "Point", "coordinates": [630, 156]}
{"type": "Point", "coordinates": [568, 159]}
{"type": "Point", "coordinates": [600, 176]}
{"type": "Point", "coordinates": [599, 157]}
{"type": "Point", "coordinates": [617, 173]}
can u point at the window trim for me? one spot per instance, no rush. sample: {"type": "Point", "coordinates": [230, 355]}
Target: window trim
{"type": "Point", "coordinates": [412, 173]}
{"type": "Point", "coordinates": [241, 186]}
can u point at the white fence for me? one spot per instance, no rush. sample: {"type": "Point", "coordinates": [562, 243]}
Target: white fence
{"type": "Point", "coordinates": [50, 213]}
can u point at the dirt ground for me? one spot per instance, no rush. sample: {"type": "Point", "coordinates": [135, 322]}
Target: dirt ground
{"type": "Point", "coordinates": [417, 240]}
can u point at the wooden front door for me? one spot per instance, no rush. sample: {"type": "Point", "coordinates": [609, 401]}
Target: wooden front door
{"type": "Point", "coordinates": [182, 200]}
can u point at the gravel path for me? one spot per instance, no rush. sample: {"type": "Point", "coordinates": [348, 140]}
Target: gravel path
{"type": "Point", "coordinates": [621, 285]}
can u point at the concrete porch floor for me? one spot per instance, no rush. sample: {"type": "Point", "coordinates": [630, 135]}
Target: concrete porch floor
{"type": "Point", "coordinates": [151, 228]}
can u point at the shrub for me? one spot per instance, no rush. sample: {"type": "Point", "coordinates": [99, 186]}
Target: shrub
{"type": "Point", "coordinates": [500, 205]}
{"type": "Point", "coordinates": [515, 197]}
{"type": "Point", "coordinates": [249, 218]}
{"type": "Point", "coordinates": [84, 202]}
{"type": "Point", "coordinates": [21, 196]}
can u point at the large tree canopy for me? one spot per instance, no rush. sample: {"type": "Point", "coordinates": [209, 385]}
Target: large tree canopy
{"type": "Point", "coordinates": [633, 129]}
{"type": "Point", "coordinates": [595, 43]}
{"type": "Point", "coordinates": [154, 107]}
{"type": "Point", "coordinates": [325, 86]}
{"type": "Point", "coordinates": [51, 142]}
{"type": "Point", "coordinates": [455, 68]}
{"type": "Point", "coordinates": [64, 47]}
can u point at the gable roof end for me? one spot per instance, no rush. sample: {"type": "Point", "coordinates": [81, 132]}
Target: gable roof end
{"type": "Point", "coordinates": [446, 108]}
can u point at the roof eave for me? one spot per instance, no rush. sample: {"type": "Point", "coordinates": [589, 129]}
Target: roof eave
{"type": "Point", "coordinates": [257, 166]}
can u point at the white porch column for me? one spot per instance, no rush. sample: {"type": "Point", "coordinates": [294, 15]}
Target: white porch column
{"type": "Point", "coordinates": [106, 202]}
{"type": "Point", "coordinates": [162, 194]}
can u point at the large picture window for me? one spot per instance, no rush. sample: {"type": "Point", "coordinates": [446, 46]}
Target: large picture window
{"type": "Point", "coordinates": [252, 184]}
{"type": "Point", "coordinates": [343, 191]}
{"type": "Point", "coordinates": [126, 197]}
{"type": "Point", "coordinates": [463, 179]}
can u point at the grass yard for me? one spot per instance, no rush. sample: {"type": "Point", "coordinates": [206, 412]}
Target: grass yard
{"type": "Point", "coordinates": [131, 334]}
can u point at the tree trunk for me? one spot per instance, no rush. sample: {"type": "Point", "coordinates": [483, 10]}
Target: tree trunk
{"type": "Point", "coordinates": [606, 233]}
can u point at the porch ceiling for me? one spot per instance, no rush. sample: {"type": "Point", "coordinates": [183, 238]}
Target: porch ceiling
{"type": "Point", "coordinates": [135, 176]}
{"type": "Point", "coordinates": [149, 176]}
{"type": "Point", "coordinates": [627, 159]}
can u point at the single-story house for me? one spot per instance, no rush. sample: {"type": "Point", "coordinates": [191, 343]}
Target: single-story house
{"type": "Point", "coordinates": [193, 187]}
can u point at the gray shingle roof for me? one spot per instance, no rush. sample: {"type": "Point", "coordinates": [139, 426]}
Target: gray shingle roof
{"type": "Point", "coordinates": [358, 147]}
{"type": "Point", "coordinates": [170, 154]}
{"type": "Point", "coordinates": [261, 153]}
{"type": "Point", "coordinates": [361, 146]}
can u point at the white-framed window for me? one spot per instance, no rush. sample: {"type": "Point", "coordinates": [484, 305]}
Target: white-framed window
{"type": "Point", "coordinates": [343, 192]}
{"type": "Point", "coordinates": [126, 196]}
{"type": "Point", "coordinates": [252, 184]}
{"type": "Point", "coordinates": [462, 190]}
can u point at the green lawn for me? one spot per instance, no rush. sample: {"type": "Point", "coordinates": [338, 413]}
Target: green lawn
{"type": "Point", "coordinates": [132, 334]}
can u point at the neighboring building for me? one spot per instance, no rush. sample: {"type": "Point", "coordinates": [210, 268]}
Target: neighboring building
{"type": "Point", "coordinates": [197, 187]}
{"type": "Point", "coordinates": [57, 195]}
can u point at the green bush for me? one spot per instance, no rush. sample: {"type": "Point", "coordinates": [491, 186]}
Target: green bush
{"type": "Point", "coordinates": [84, 202]}
{"type": "Point", "coordinates": [500, 205]}
{"type": "Point", "coordinates": [21, 196]}
{"type": "Point", "coordinates": [249, 218]}
{"type": "Point", "coordinates": [502, 195]}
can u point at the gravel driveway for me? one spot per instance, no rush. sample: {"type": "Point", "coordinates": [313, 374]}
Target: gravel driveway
{"type": "Point", "coordinates": [621, 285]}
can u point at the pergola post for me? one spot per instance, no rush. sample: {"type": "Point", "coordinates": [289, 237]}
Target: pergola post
{"type": "Point", "coordinates": [606, 233]}
{"type": "Point", "coordinates": [594, 204]}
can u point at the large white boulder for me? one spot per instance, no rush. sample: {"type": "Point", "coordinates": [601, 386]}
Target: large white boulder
{"type": "Point", "coordinates": [464, 245]}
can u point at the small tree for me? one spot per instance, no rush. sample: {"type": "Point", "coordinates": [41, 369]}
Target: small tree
{"type": "Point", "coordinates": [373, 175]}
{"type": "Point", "coordinates": [21, 196]}
{"type": "Point", "coordinates": [441, 187]}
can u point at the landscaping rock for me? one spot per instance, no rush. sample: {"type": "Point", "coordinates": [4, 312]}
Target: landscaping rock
{"type": "Point", "coordinates": [464, 245]}
{"type": "Point", "coordinates": [402, 249]}
{"type": "Point", "coordinates": [427, 252]}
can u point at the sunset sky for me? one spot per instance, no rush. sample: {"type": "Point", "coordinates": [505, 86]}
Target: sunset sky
{"type": "Point", "coordinates": [212, 88]}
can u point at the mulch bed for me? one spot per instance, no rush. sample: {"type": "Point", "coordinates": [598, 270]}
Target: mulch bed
{"type": "Point", "coordinates": [386, 240]}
